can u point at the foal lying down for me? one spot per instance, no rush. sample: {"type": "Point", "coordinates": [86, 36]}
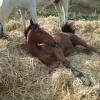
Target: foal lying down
{"type": "Point", "coordinates": [49, 54]}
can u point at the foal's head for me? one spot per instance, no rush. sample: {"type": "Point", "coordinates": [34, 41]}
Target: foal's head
{"type": "Point", "coordinates": [39, 35]}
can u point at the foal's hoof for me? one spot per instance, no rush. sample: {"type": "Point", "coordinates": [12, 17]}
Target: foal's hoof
{"type": "Point", "coordinates": [66, 63]}
{"type": "Point", "coordinates": [85, 81]}
{"type": "Point", "coordinates": [76, 72]}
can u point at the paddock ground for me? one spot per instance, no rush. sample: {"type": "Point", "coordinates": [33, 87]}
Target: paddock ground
{"type": "Point", "coordinates": [23, 77]}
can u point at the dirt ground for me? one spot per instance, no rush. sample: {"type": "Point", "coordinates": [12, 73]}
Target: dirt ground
{"type": "Point", "coordinates": [23, 77]}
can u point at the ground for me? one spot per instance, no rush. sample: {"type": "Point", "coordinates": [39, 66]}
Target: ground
{"type": "Point", "coordinates": [23, 77]}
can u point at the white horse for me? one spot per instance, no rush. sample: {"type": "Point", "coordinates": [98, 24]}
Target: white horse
{"type": "Point", "coordinates": [6, 7]}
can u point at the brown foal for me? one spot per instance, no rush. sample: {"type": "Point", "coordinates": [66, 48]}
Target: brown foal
{"type": "Point", "coordinates": [50, 49]}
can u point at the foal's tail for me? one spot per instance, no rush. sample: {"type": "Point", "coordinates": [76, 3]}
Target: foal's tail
{"type": "Point", "coordinates": [67, 28]}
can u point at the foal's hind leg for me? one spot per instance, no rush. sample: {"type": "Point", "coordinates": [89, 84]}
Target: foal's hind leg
{"type": "Point", "coordinates": [68, 52]}
{"type": "Point", "coordinates": [77, 73]}
{"type": "Point", "coordinates": [78, 41]}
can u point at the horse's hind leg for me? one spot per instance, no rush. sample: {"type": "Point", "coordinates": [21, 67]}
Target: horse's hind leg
{"type": "Point", "coordinates": [77, 73]}
{"type": "Point", "coordinates": [4, 14]}
{"type": "Point", "coordinates": [33, 12]}
{"type": "Point", "coordinates": [65, 4]}
{"type": "Point", "coordinates": [22, 18]}
{"type": "Point", "coordinates": [58, 7]}
{"type": "Point", "coordinates": [68, 52]}
{"type": "Point", "coordinates": [78, 41]}
{"type": "Point", "coordinates": [62, 8]}
{"type": "Point", "coordinates": [81, 76]}
{"type": "Point", "coordinates": [1, 30]}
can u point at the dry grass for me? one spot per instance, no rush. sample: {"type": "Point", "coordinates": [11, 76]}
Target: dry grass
{"type": "Point", "coordinates": [13, 25]}
{"type": "Point", "coordinates": [23, 77]}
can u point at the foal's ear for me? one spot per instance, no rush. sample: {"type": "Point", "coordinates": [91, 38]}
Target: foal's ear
{"type": "Point", "coordinates": [34, 26]}
{"type": "Point", "coordinates": [31, 22]}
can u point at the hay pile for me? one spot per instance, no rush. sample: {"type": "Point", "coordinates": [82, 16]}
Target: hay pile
{"type": "Point", "coordinates": [23, 77]}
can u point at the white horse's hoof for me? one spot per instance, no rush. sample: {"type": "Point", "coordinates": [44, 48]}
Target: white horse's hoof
{"type": "Point", "coordinates": [1, 31]}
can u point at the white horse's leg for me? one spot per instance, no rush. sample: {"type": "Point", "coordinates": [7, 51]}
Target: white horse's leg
{"type": "Point", "coordinates": [60, 12]}
{"type": "Point", "coordinates": [4, 16]}
{"type": "Point", "coordinates": [1, 28]}
{"type": "Point", "coordinates": [33, 14]}
{"type": "Point", "coordinates": [22, 18]}
{"type": "Point", "coordinates": [65, 4]}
